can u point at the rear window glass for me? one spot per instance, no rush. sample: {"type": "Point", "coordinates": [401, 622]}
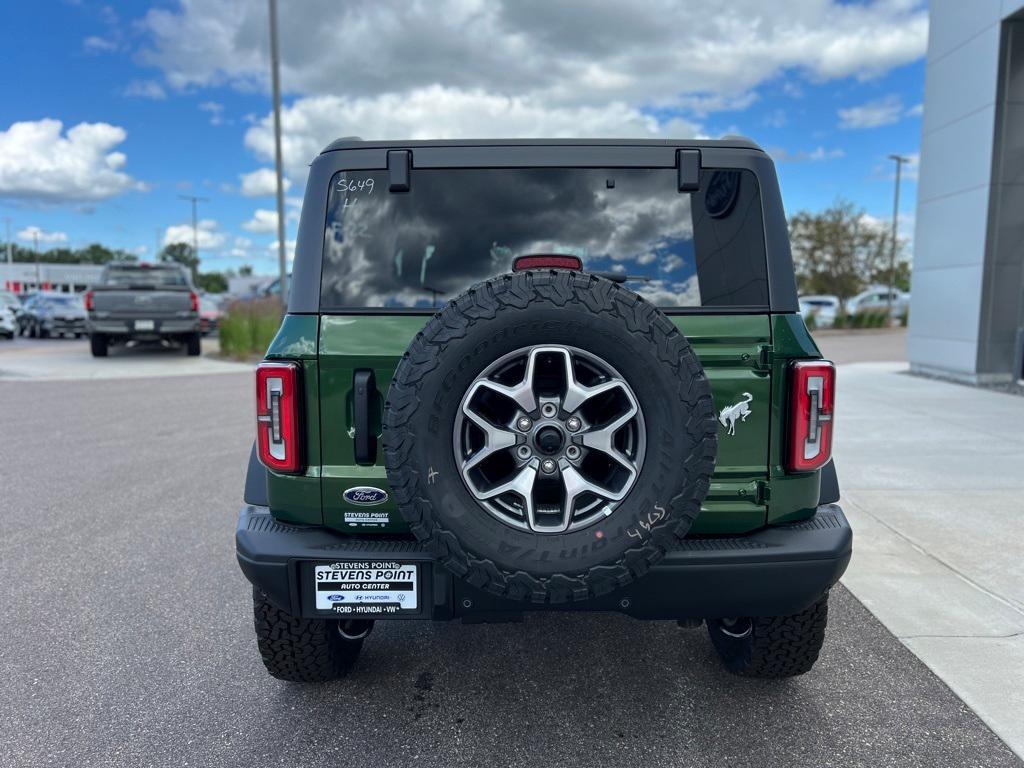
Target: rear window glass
{"type": "Point", "coordinates": [150, 277]}
{"type": "Point", "coordinates": [455, 227]}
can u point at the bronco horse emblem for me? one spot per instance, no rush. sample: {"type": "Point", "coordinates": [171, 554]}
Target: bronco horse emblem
{"type": "Point", "coordinates": [731, 413]}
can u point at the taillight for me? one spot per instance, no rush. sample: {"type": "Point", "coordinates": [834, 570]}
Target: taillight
{"type": "Point", "coordinates": [547, 261]}
{"type": "Point", "coordinates": [811, 400]}
{"type": "Point", "coordinates": [88, 300]}
{"type": "Point", "coordinates": [193, 299]}
{"type": "Point", "coordinates": [277, 416]}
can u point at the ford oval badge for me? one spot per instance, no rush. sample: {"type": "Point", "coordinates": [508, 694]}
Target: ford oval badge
{"type": "Point", "coordinates": [365, 495]}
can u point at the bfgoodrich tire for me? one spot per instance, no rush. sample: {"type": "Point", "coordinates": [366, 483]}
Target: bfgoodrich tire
{"type": "Point", "coordinates": [572, 315]}
{"type": "Point", "coordinates": [305, 650]}
{"type": "Point", "coordinates": [771, 647]}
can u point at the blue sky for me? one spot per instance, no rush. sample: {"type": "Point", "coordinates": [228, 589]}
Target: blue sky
{"type": "Point", "coordinates": [175, 100]}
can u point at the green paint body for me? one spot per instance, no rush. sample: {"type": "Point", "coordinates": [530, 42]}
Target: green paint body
{"type": "Point", "coordinates": [740, 353]}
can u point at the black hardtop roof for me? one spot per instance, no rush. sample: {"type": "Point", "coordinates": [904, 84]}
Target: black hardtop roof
{"type": "Point", "coordinates": [727, 142]}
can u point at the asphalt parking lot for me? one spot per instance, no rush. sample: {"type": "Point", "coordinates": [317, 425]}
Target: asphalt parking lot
{"type": "Point", "coordinates": [129, 639]}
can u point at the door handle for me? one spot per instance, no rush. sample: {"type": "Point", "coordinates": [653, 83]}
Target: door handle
{"type": "Point", "coordinates": [364, 386]}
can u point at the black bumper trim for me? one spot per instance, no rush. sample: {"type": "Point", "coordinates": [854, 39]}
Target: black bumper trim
{"type": "Point", "coordinates": [778, 570]}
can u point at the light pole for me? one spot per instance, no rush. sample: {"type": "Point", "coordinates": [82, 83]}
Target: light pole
{"type": "Point", "coordinates": [275, 80]}
{"type": "Point", "coordinates": [10, 256]}
{"type": "Point", "coordinates": [35, 248]}
{"type": "Point", "coordinates": [195, 226]}
{"type": "Point", "coordinates": [899, 160]}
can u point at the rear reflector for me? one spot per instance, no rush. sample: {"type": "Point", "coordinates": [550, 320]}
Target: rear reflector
{"type": "Point", "coordinates": [811, 400]}
{"type": "Point", "coordinates": [547, 261]}
{"type": "Point", "coordinates": [277, 416]}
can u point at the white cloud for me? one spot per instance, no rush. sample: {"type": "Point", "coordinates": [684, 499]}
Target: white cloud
{"type": "Point", "coordinates": [209, 235]}
{"type": "Point", "coordinates": [96, 44]}
{"type": "Point", "coordinates": [671, 263]}
{"type": "Point", "coordinates": [38, 162]}
{"type": "Point", "coordinates": [145, 89]}
{"type": "Point", "coordinates": [261, 182]}
{"type": "Point", "coordinates": [215, 110]}
{"type": "Point", "coordinates": [816, 155]}
{"type": "Point", "coordinates": [577, 51]}
{"type": "Point", "coordinates": [309, 124]}
{"type": "Point", "coordinates": [35, 234]}
{"type": "Point", "coordinates": [520, 68]}
{"type": "Point", "coordinates": [872, 114]}
{"type": "Point", "coordinates": [262, 221]}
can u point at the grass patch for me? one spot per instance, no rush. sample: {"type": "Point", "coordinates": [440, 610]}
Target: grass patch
{"type": "Point", "coordinates": [248, 327]}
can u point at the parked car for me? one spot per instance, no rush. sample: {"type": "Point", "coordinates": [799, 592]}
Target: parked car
{"type": "Point", "coordinates": [50, 313]}
{"type": "Point", "coordinates": [21, 313]}
{"type": "Point", "coordinates": [823, 308]}
{"type": "Point", "coordinates": [8, 326]}
{"type": "Point", "coordinates": [549, 439]}
{"type": "Point", "coordinates": [209, 315]}
{"type": "Point", "coordinates": [876, 299]}
{"type": "Point", "coordinates": [143, 302]}
{"type": "Point", "coordinates": [9, 301]}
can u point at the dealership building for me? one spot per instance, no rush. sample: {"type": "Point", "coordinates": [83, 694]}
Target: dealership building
{"type": "Point", "coordinates": [967, 306]}
{"type": "Point", "coordinates": [67, 278]}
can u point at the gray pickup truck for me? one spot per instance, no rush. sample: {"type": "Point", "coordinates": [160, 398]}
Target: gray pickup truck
{"type": "Point", "coordinates": [142, 302]}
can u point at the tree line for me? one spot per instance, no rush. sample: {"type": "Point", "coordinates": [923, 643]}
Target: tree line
{"type": "Point", "coordinates": [95, 253]}
{"type": "Point", "coordinates": [841, 251]}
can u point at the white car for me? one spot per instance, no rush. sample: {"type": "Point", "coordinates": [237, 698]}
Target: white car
{"type": "Point", "coordinates": [876, 298]}
{"type": "Point", "coordinates": [823, 308]}
{"type": "Point", "coordinates": [6, 324]}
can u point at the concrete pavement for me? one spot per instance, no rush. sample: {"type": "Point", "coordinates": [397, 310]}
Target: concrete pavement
{"type": "Point", "coordinates": [932, 482]}
{"type": "Point", "coordinates": [129, 636]}
{"type": "Point", "coordinates": [70, 360]}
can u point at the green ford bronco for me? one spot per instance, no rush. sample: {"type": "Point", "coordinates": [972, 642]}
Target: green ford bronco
{"type": "Point", "coordinates": [542, 375]}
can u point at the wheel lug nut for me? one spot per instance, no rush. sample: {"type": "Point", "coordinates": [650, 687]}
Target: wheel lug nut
{"type": "Point", "coordinates": [523, 423]}
{"type": "Point", "coordinates": [548, 466]}
{"type": "Point", "coordinates": [523, 451]}
{"type": "Point", "coordinates": [573, 424]}
{"type": "Point", "coordinates": [572, 452]}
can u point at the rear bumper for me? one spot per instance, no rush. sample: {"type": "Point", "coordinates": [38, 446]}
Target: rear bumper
{"type": "Point", "coordinates": [126, 328]}
{"type": "Point", "coordinates": [776, 571]}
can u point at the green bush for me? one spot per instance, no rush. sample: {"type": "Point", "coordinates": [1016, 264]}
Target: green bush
{"type": "Point", "coordinates": [248, 327]}
{"type": "Point", "coordinates": [840, 321]}
{"type": "Point", "coordinates": [811, 322]}
{"type": "Point", "coordinates": [905, 318]}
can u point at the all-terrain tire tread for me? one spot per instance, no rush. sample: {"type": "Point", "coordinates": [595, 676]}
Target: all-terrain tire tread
{"type": "Point", "coordinates": [556, 288]}
{"type": "Point", "coordinates": [778, 646]}
{"type": "Point", "coordinates": [300, 650]}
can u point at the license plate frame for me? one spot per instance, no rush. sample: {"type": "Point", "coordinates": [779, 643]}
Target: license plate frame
{"type": "Point", "coordinates": [372, 588]}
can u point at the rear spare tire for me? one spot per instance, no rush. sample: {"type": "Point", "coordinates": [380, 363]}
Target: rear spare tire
{"type": "Point", "coordinates": [549, 436]}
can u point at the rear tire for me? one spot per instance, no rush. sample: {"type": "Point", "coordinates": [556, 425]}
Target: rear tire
{"type": "Point", "coordinates": [305, 650]}
{"type": "Point", "coordinates": [771, 647]}
{"type": "Point", "coordinates": [193, 345]}
{"type": "Point", "coordinates": [98, 345]}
